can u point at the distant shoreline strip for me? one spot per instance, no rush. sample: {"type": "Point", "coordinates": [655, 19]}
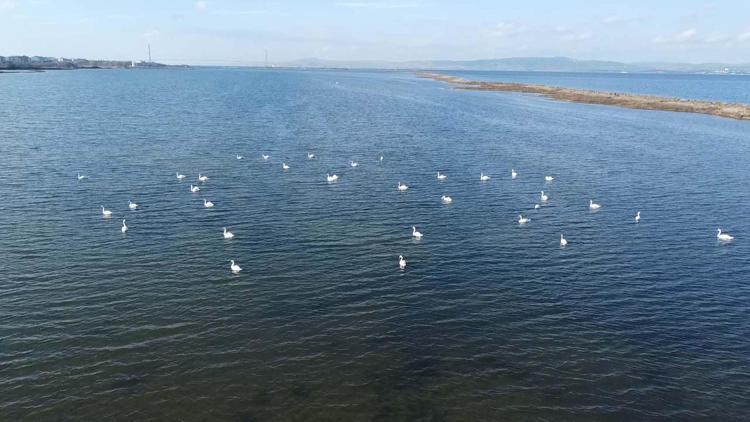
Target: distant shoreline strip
{"type": "Point", "coordinates": [635, 101]}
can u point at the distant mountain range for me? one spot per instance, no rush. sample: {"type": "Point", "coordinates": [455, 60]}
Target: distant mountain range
{"type": "Point", "coordinates": [547, 64]}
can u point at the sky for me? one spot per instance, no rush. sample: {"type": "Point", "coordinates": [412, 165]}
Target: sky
{"type": "Point", "coordinates": [233, 32]}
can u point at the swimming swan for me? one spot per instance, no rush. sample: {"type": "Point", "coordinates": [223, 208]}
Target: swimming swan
{"type": "Point", "coordinates": [179, 176]}
{"type": "Point", "coordinates": [401, 262]}
{"type": "Point", "coordinates": [593, 205]}
{"type": "Point", "coordinates": [194, 189]}
{"type": "Point", "coordinates": [132, 205]}
{"type": "Point", "coordinates": [415, 233]}
{"type": "Point", "coordinates": [207, 204]}
{"type": "Point", "coordinates": [543, 197]}
{"type": "Point", "coordinates": [441, 176]}
{"type": "Point", "coordinates": [234, 267]}
{"type": "Point", "coordinates": [106, 213]}
{"type": "Point", "coordinates": [563, 242]}
{"type": "Point", "coordinates": [284, 166]}
{"type": "Point", "coordinates": [228, 234]}
{"type": "Point", "coordinates": [202, 178]}
{"type": "Point", "coordinates": [124, 228]}
{"type": "Point", "coordinates": [513, 173]}
{"type": "Point", "coordinates": [549, 178]}
{"type": "Point", "coordinates": [723, 236]}
{"type": "Point", "coordinates": [522, 219]}
{"type": "Point", "coordinates": [483, 177]}
{"type": "Point", "coordinates": [446, 199]}
{"type": "Point", "coordinates": [402, 188]}
{"type": "Point", "coordinates": [638, 217]}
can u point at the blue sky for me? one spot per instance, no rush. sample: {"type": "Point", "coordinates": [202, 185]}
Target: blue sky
{"type": "Point", "coordinates": [237, 32]}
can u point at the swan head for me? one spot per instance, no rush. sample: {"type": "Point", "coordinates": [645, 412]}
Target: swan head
{"type": "Point", "coordinates": [231, 261]}
{"type": "Point", "coordinates": [718, 231]}
{"type": "Point", "coordinates": [400, 257]}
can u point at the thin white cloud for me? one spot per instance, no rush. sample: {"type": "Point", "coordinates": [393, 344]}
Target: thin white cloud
{"type": "Point", "coordinates": [201, 5]}
{"type": "Point", "coordinates": [150, 34]}
{"type": "Point", "coordinates": [744, 36]}
{"type": "Point", "coordinates": [619, 20]}
{"type": "Point", "coordinates": [7, 4]}
{"type": "Point", "coordinates": [505, 29]}
{"type": "Point", "coordinates": [375, 5]}
{"type": "Point", "coordinates": [570, 34]}
{"type": "Point", "coordinates": [225, 12]}
{"type": "Point", "coordinates": [681, 37]}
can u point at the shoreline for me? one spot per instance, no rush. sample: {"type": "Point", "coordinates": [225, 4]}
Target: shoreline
{"type": "Point", "coordinates": [634, 101]}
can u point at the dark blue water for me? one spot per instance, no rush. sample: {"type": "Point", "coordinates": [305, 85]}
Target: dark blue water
{"type": "Point", "coordinates": [490, 320]}
{"type": "Point", "coordinates": [726, 88]}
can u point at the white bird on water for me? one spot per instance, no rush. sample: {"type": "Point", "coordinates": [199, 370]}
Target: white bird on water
{"type": "Point", "coordinates": [228, 234]}
{"type": "Point", "coordinates": [563, 242]}
{"type": "Point", "coordinates": [536, 206]}
{"type": "Point", "coordinates": [264, 156]}
{"type": "Point", "coordinates": [638, 217]}
{"type": "Point", "coordinates": [310, 156]}
{"type": "Point", "coordinates": [202, 177]}
{"type": "Point", "coordinates": [106, 213]}
{"type": "Point", "coordinates": [401, 262]}
{"type": "Point", "coordinates": [239, 157]}
{"type": "Point", "coordinates": [207, 204]}
{"type": "Point", "coordinates": [381, 158]}
{"type": "Point", "coordinates": [284, 166]}
{"type": "Point", "coordinates": [124, 228]}
{"type": "Point", "coordinates": [593, 205]}
{"type": "Point", "coordinates": [81, 177]}
{"type": "Point", "coordinates": [513, 173]}
{"type": "Point", "coordinates": [446, 199]}
{"type": "Point", "coordinates": [353, 163]}
{"type": "Point", "coordinates": [194, 189]}
{"type": "Point", "coordinates": [726, 237]}
{"type": "Point", "coordinates": [543, 197]}
{"type": "Point", "coordinates": [483, 177]}
{"type": "Point", "coordinates": [549, 178]}
{"type": "Point", "coordinates": [415, 233]}
{"type": "Point", "coordinates": [234, 267]}
{"type": "Point", "coordinates": [331, 177]}
{"type": "Point", "coordinates": [402, 188]}
{"type": "Point", "coordinates": [441, 176]}
{"type": "Point", "coordinates": [522, 219]}
{"type": "Point", "coordinates": [179, 176]}
{"type": "Point", "coordinates": [132, 205]}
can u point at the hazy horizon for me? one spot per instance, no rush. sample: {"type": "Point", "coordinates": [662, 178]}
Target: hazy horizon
{"type": "Point", "coordinates": [238, 33]}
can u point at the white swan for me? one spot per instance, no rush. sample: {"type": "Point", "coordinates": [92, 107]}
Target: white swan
{"type": "Point", "coordinates": [563, 242]}
{"type": "Point", "coordinates": [106, 213]}
{"type": "Point", "coordinates": [638, 217]}
{"type": "Point", "coordinates": [331, 177]}
{"type": "Point", "coordinates": [513, 173]}
{"type": "Point", "coordinates": [723, 236]}
{"type": "Point", "coordinates": [401, 262]}
{"type": "Point", "coordinates": [132, 205]}
{"type": "Point", "coordinates": [353, 163]}
{"type": "Point", "coordinates": [81, 177]}
{"type": "Point", "coordinates": [549, 178]}
{"type": "Point", "coordinates": [284, 166]}
{"type": "Point", "coordinates": [264, 156]}
{"type": "Point", "coordinates": [402, 188]}
{"type": "Point", "coordinates": [522, 219]}
{"type": "Point", "coordinates": [202, 177]}
{"type": "Point", "coordinates": [446, 199]}
{"type": "Point", "coordinates": [194, 189]}
{"type": "Point", "coordinates": [593, 205]}
{"type": "Point", "coordinates": [179, 176]}
{"type": "Point", "coordinates": [415, 233]}
{"type": "Point", "coordinates": [441, 176]}
{"type": "Point", "coordinates": [207, 204]}
{"type": "Point", "coordinates": [238, 156]}
{"type": "Point", "coordinates": [483, 177]}
{"type": "Point", "coordinates": [543, 197]}
{"type": "Point", "coordinates": [234, 267]}
{"type": "Point", "coordinates": [381, 158]}
{"type": "Point", "coordinates": [310, 156]}
{"type": "Point", "coordinates": [124, 228]}
{"type": "Point", "coordinates": [228, 234]}
{"type": "Point", "coordinates": [536, 206]}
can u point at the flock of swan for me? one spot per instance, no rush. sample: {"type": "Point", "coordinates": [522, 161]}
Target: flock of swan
{"type": "Point", "coordinates": [401, 187]}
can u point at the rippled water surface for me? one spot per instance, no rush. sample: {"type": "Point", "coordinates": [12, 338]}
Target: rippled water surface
{"type": "Point", "coordinates": [490, 320]}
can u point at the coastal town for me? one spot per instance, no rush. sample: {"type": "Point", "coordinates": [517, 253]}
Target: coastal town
{"type": "Point", "coordinates": [61, 63]}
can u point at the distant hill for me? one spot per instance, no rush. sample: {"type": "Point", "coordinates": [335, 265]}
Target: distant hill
{"type": "Point", "coordinates": [540, 64]}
